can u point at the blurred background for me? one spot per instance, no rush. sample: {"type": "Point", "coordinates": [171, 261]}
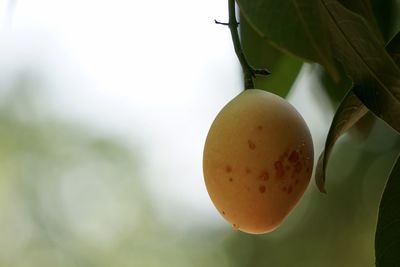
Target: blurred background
{"type": "Point", "coordinates": [104, 110]}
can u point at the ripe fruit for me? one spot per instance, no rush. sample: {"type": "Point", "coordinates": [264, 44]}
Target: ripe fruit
{"type": "Point", "coordinates": [257, 161]}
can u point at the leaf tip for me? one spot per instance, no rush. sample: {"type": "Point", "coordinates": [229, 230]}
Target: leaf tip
{"type": "Point", "coordinates": [321, 186]}
{"type": "Point", "coordinates": [320, 174]}
{"type": "Point", "coordinates": [322, 189]}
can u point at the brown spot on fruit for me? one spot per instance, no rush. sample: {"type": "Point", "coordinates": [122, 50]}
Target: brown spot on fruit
{"type": "Point", "coordinates": [252, 146]}
{"type": "Point", "coordinates": [230, 179]}
{"type": "Point", "coordinates": [285, 154]}
{"type": "Point", "coordinates": [228, 168]}
{"type": "Point", "coordinates": [259, 127]}
{"type": "Point", "coordinates": [261, 189]}
{"type": "Point", "coordinates": [308, 169]}
{"type": "Point", "coordinates": [280, 172]}
{"type": "Point", "coordinates": [294, 156]}
{"type": "Point", "coordinates": [264, 176]}
{"type": "Point", "coordinates": [284, 189]}
{"type": "Point", "coordinates": [298, 167]}
{"type": "Point", "coordinates": [235, 226]}
{"type": "Point", "coordinates": [248, 170]}
{"type": "Point", "coordinates": [290, 189]}
{"type": "Point", "coordinates": [223, 212]}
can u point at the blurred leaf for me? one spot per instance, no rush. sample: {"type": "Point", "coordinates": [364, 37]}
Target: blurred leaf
{"type": "Point", "coordinates": [297, 27]}
{"type": "Point", "coordinates": [363, 127]}
{"type": "Point", "coordinates": [387, 236]}
{"type": "Point", "coordinates": [349, 112]}
{"type": "Point", "coordinates": [336, 90]}
{"type": "Point", "coordinates": [261, 54]}
{"type": "Point", "coordinates": [365, 59]}
{"type": "Point", "coordinates": [393, 48]}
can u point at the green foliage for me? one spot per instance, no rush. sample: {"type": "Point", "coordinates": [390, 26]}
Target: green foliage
{"type": "Point", "coordinates": [335, 89]}
{"type": "Point", "coordinates": [366, 61]}
{"type": "Point", "coordinates": [387, 238]}
{"type": "Point", "coordinates": [341, 35]}
{"type": "Point", "coordinates": [364, 9]}
{"type": "Point", "coordinates": [348, 113]}
{"type": "Point", "coordinates": [261, 54]}
{"type": "Point", "coordinates": [293, 26]}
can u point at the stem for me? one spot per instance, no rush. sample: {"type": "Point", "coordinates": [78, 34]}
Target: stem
{"type": "Point", "coordinates": [233, 25]}
{"type": "Point", "coordinates": [249, 72]}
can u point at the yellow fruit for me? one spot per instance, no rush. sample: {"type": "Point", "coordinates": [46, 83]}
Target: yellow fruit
{"type": "Point", "coordinates": [257, 161]}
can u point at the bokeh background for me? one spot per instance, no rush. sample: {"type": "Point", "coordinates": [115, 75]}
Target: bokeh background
{"type": "Point", "coordinates": [104, 109]}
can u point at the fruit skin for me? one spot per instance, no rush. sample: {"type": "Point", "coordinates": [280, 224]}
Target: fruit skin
{"type": "Point", "coordinates": [257, 161]}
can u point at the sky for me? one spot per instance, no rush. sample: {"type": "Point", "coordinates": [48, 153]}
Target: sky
{"type": "Point", "coordinates": [151, 73]}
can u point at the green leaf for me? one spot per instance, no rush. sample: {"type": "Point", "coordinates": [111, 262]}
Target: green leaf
{"type": "Point", "coordinates": [296, 27]}
{"type": "Point", "coordinates": [285, 72]}
{"type": "Point", "coordinates": [350, 110]}
{"type": "Point", "coordinates": [261, 54]}
{"type": "Point", "coordinates": [387, 236]}
{"type": "Point", "coordinates": [258, 51]}
{"type": "Point", "coordinates": [393, 48]}
{"type": "Point", "coordinates": [299, 26]}
{"type": "Point", "coordinates": [381, 104]}
{"type": "Point", "coordinates": [364, 9]}
{"type": "Point", "coordinates": [366, 61]}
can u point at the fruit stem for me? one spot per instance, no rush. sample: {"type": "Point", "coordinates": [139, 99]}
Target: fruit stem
{"type": "Point", "coordinates": [249, 72]}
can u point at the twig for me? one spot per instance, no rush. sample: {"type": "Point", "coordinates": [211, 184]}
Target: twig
{"type": "Point", "coordinates": [249, 72]}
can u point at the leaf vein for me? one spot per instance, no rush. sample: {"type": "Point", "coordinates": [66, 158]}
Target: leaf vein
{"type": "Point", "coordinates": [348, 39]}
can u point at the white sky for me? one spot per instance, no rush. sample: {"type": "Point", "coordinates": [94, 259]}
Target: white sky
{"type": "Point", "coordinates": [152, 72]}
